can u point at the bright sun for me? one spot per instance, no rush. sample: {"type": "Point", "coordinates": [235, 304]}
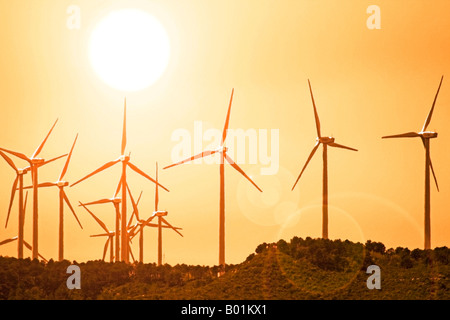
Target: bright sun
{"type": "Point", "coordinates": [129, 49]}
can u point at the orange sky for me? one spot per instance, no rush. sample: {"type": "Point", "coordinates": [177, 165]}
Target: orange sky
{"type": "Point", "coordinates": [367, 83]}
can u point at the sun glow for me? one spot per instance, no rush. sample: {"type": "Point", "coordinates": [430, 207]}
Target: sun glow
{"type": "Point", "coordinates": [129, 50]}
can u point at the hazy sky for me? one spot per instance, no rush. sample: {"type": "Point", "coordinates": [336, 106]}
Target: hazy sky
{"type": "Point", "coordinates": [366, 83]}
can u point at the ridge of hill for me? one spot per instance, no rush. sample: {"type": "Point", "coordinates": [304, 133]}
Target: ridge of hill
{"type": "Point", "coordinates": [296, 270]}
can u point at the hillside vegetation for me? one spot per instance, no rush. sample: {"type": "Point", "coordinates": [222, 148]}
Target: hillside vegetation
{"type": "Point", "coordinates": [295, 270]}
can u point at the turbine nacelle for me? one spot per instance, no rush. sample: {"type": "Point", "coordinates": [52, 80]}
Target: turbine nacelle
{"type": "Point", "coordinates": [62, 184]}
{"type": "Point", "coordinates": [326, 140]}
{"type": "Point", "coordinates": [116, 200]}
{"type": "Point", "coordinates": [124, 158]}
{"type": "Point", "coordinates": [160, 213]}
{"type": "Point", "coordinates": [222, 149]}
{"type": "Point", "coordinates": [37, 161]}
{"type": "Point", "coordinates": [428, 134]}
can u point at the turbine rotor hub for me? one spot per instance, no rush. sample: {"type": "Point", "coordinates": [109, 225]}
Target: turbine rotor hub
{"type": "Point", "coordinates": [222, 149]}
{"type": "Point", "coordinates": [124, 158]}
{"type": "Point", "coordinates": [116, 200]}
{"type": "Point", "coordinates": [326, 140]}
{"type": "Point", "coordinates": [62, 183]}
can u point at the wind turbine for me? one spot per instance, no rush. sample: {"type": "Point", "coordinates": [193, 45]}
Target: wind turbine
{"type": "Point", "coordinates": [21, 221]}
{"type": "Point", "coordinates": [35, 163]}
{"type": "Point", "coordinates": [222, 150]}
{"type": "Point", "coordinates": [139, 227]}
{"type": "Point", "coordinates": [123, 181]}
{"type": "Point", "coordinates": [61, 184]}
{"type": "Point", "coordinates": [116, 202]}
{"type": "Point", "coordinates": [325, 141]}
{"type": "Point", "coordinates": [20, 237]}
{"type": "Point", "coordinates": [27, 245]}
{"type": "Point", "coordinates": [110, 234]}
{"type": "Point", "coordinates": [425, 136]}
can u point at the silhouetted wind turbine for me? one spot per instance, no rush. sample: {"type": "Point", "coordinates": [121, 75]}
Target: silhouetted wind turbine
{"type": "Point", "coordinates": [27, 245]}
{"type": "Point", "coordinates": [425, 136]}
{"type": "Point", "coordinates": [222, 150]}
{"type": "Point", "coordinates": [61, 184]}
{"type": "Point", "coordinates": [35, 163]}
{"type": "Point", "coordinates": [109, 234]}
{"type": "Point", "coordinates": [325, 141]}
{"type": "Point", "coordinates": [116, 202]}
{"type": "Point", "coordinates": [125, 163]}
{"type": "Point", "coordinates": [139, 227]}
{"type": "Point", "coordinates": [21, 221]}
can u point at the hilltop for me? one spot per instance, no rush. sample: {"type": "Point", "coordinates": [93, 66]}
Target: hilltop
{"type": "Point", "coordinates": [295, 270]}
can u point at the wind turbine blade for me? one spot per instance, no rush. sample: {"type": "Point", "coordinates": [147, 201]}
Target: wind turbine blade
{"type": "Point", "coordinates": [119, 186]}
{"type": "Point", "coordinates": [66, 165]}
{"type": "Point", "coordinates": [101, 201]}
{"type": "Point", "coordinates": [137, 217]}
{"type": "Point", "coordinates": [46, 184]}
{"type": "Point", "coordinates": [42, 185]}
{"type": "Point", "coordinates": [25, 206]}
{"type": "Point", "coordinates": [146, 222]}
{"type": "Point", "coordinates": [172, 227]}
{"type": "Point", "coordinates": [430, 114]}
{"type": "Point", "coordinates": [235, 166]}
{"type": "Point", "coordinates": [432, 169]}
{"type": "Point", "coordinates": [131, 253]}
{"type": "Point", "coordinates": [136, 169]}
{"type": "Point", "coordinates": [51, 160]}
{"type": "Point", "coordinates": [139, 198]}
{"type": "Point", "coordinates": [306, 164]}
{"type": "Point", "coordinates": [316, 115]}
{"type": "Point", "coordinates": [403, 135]}
{"type": "Point", "coordinates": [39, 149]}
{"type": "Point", "coordinates": [200, 155]}
{"type": "Point", "coordinates": [71, 208]}
{"type": "Point", "coordinates": [8, 240]}
{"type": "Point", "coordinates": [104, 167]}
{"type": "Point", "coordinates": [156, 189]}
{"type": "Point", "coordinates": [227, 121]}
{"type": "Point", "coordinates": [13, 192]}
{"type": "Point", "coordinates": [336, 145]}
{"type": "Point", "coordinates": [435, 179]}
{"type": "Point", "coordinates": [100, 235]}
{"type": "Point", "coordinates": [27, 245]}
{"type": "Point", "coordinates": [100, 222]}
{"type": "Point", "coordinates": [167, 227]}
{"type": "Point", "coordinates": [132, 233]}
{"type": "Point", "coordinates": [105, 249]}
{"type": "Point", "coordinates": [17, 154]}
{"type": "Point", "coordinates": [135, 208]}
{"type": "Point", "coordinates": [137, 204]}
{"type": "Point", "coordinates": [124, 130]}
{"type": "Point", "coordinates": [154, 225]}
{"type": "Point", "coordinates": [10, 162]}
